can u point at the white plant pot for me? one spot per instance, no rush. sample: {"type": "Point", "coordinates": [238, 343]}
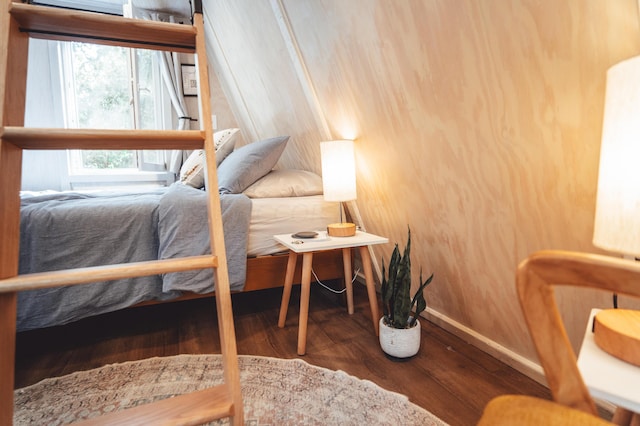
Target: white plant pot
{"type": "Point", "coordinates": [400, 342]}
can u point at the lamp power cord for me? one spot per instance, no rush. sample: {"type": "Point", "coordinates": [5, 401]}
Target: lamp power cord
{"type": "Point", "coordinates": [326, 287]}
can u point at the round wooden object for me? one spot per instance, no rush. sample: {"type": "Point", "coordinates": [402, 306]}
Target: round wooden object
{"type": "Point", "coordinates": [617, 332]}
{"type": "Point", "coordinates": [341, 229]}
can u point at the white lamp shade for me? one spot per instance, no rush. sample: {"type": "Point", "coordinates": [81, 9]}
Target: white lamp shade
{"type": "Point", "coordinates": [338, 170]}
{"type": "Point", "coordinates": [617, 220]}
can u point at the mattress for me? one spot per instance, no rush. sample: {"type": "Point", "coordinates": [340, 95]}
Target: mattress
{"type": "Point", "coordinates": [269, 217]}
{"type": "Point", "coordinates": [272, 216]}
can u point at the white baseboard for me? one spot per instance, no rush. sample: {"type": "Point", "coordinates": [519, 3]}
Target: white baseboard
{"type": "Point", "coordinates": [518, 362]}
{"type": "Point", "coordinates": [521, 364]}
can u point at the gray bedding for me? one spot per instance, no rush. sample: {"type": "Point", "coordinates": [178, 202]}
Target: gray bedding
{"type": "Point", "coordinates": [68, 230]}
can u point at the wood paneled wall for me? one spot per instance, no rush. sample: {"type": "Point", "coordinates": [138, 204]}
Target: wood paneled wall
{"type": "Point", "coordinates": [477, 124]}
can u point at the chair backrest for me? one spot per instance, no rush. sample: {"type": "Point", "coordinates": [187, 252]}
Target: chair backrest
{"type": "Point", "coordinates": [535, 281]}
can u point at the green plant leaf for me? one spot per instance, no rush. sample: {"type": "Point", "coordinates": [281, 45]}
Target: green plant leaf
{"type": "Point", "coordinates": [397, 302]}
{"type": "Point", "coordinates": [388, 286]}
{"type": "Point", "coordinates": [384, 290]}
{"type": "Point", "coordinates": [402, 296]}
{"type": "Point", "coordinates": [418, 299]}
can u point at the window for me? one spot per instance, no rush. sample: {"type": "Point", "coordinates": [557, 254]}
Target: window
{"type": "Point", "coordinates": [109, 87]}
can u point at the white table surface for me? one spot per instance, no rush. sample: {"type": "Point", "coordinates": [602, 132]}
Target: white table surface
{"type": "Point", "coordinates": [326, 242]}
{"type": "Point", "coordinates": [606, 376]}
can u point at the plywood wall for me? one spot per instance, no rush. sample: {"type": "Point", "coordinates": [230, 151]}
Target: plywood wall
{"type": "Point", "coordinates": [477, 124]}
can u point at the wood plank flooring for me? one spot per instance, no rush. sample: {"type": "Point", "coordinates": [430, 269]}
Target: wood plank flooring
{"type": "Point", "coordinates": [450, 378]}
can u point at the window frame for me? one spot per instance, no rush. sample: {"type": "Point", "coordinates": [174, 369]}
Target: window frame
{"type": "Point", "coordinates": [154, 173]}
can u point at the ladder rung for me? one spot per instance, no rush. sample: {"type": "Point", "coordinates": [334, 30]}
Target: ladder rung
{"type": "Point", "coordinates": [72, 25]}
{"type": "Point", "coordinates": [92, 274]}
{"type": "Point", "coordinates": [55, 138]}
{"type": "Point", "coordinates": [191, 409]}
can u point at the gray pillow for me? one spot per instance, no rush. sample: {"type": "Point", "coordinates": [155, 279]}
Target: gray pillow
{"type": "Point", "coordinates": [249, 163]}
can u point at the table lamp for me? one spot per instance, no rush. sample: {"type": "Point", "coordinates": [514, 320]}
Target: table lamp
{"type": "Point", "coordinates": [339, 180]}
{"type": "Point", "coordinates": [617, 219]}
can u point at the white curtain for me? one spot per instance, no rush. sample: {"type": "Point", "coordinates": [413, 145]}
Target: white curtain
{"type": "Point", "coordinates": [171, 74]}
{"type": "Point", "coordinates": [170, 68]}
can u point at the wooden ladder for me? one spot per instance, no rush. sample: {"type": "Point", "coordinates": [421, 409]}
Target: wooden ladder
{"type": "Point", "coordinates": [20, 21]}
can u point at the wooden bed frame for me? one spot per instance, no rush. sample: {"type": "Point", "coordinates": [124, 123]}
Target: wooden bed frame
{"type": "Point", "coordinates": [268, 271]}
{"type": "Point", "coordinates": [265, 272]}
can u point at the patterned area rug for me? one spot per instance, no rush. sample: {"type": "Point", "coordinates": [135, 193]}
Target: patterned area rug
{"type": "Point", "coordinates": [275, 392]}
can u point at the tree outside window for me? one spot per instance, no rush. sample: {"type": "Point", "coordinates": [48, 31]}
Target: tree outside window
{"type": "Point", "coordinates": [109, 87]}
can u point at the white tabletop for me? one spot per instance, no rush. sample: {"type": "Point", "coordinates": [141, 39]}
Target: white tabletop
{"type": "Point", "coordinates": [606, 376]}
{"type": "Point", "coordinates": [326, 242]}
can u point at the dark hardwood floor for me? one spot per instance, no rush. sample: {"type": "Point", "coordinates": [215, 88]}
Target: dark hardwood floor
{"type": "Point", "coordinates": [450, 378]}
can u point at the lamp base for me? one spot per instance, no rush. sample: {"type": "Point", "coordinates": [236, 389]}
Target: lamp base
{"type": "Point", "coordinates": [341, 229]}
{"type": "Point", "coordinates": [617, 332]}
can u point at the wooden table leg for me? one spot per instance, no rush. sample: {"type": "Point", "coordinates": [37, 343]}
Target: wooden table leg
{"type": "Point", "coordinates": [7, 355]}
{"type": "Point", "coordinates": [371, 287]}
{"type": "Point", "coordinates": [346, 262]}
{"type": "Point", "coordinates": [286, 292]}
{"type": "Point", "coordinates": [304, 302]}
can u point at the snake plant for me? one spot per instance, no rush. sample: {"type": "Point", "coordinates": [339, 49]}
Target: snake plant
{"type": "Point", "coordinates": [397, 303]}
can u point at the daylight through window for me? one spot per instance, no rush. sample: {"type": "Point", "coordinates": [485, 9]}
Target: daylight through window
{"type": "Point", "coordinates": [108, 87]}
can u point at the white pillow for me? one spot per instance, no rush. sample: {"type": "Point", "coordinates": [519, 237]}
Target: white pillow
{"type": "Point", "coordinates": [192, 171]}
{"type": "Point", "coordinates": [224, 141]}
{"type": "Point", "coordinates": [285, 183]}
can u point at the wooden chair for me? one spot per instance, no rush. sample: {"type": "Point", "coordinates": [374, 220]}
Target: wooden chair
{"type": "Point", "coordinates": [535, 281]}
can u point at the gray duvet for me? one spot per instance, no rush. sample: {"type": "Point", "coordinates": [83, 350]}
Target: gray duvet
{"type": "Point", "coordinates": [69, 230]}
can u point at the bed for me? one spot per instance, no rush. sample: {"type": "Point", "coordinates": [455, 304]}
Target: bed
{"type": "Point", "coordinates": [62, 230]}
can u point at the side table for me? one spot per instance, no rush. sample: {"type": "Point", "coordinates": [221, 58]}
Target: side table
{"type": "Point", "coordinates": [609, 378]}
{"type": "Point", "coordinates": [307, 247]}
